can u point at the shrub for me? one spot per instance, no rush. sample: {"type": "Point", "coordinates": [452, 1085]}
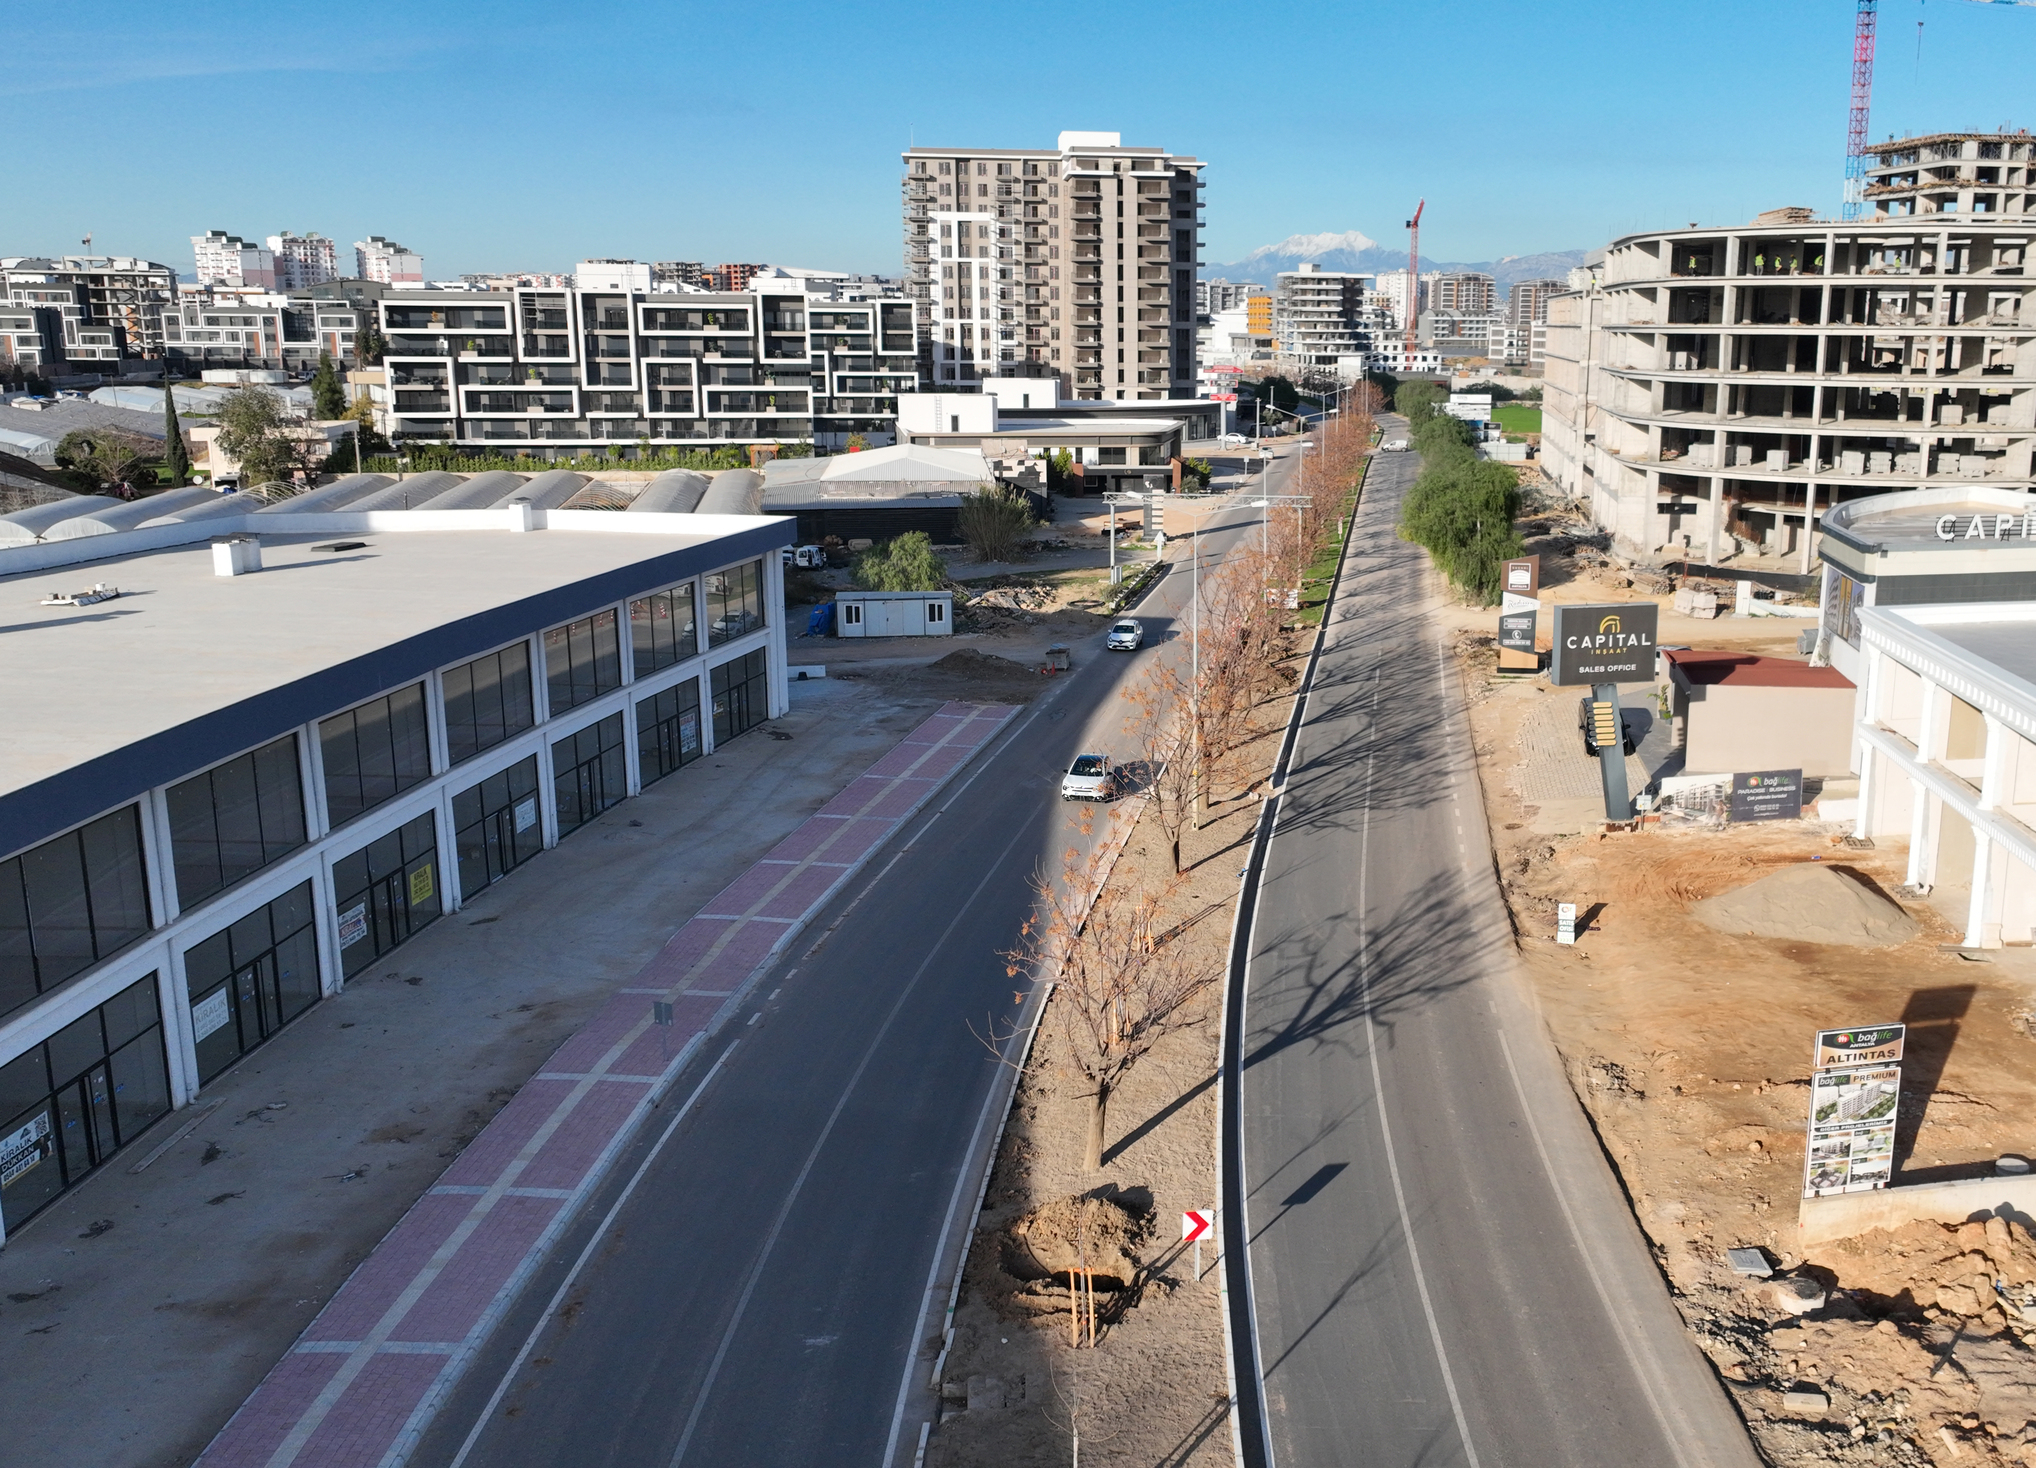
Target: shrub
{"type": "Point", "coordinates": [993, 523]}
{"type": "Point", "coordinates": [905, 564]}
{"type": "Point", "coordinates": [1461, 510]}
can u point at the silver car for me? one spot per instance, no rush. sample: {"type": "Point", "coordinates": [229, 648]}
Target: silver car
{"type": "Point", "coordinates": [1128, 635]}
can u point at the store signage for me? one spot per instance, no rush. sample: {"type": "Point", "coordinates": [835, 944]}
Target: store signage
{"type": "Point", "coordinates": [23, 1147]}
{"type": "Point", "coordinates": [1855, 1092]}
{"type": "Point", "coordinates": [1767, 795]}
{"type": "Point", "coordinates": [1604, 643]}
{"type": "Point", "coordinates": [353, 925]}
{"type": "Point", "coordinates": [209, 1014]}
{"type": "Point", "coordinates": [1987, 527]}
{"type": "Point", "coordinates": [422, 885]}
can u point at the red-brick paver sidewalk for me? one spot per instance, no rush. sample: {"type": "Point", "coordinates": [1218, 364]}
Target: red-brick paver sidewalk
{"type": "Point", "coordinates": [358, 1388]}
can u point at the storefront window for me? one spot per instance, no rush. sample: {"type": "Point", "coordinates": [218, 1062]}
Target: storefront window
{"type": "Point", "coordinates": [497, 826]}
{"type": "Point", "coordinates": [582, 661]}
{"type": "Point", "coordinates": [735, 602]}
{"type": "Point", "coordinates": [668, 730]}
{"type": "Point", "coordinates": [386, 891]}
{"type": "Point", "coordinates": [487, 701]}
{"type": "Point", "coordinates": [69, 1103]}
{"type": "Point", "coordinates": [741, 690]}
{"type": "Point", "coordinates": [68, 903]}
{"type": "Point", "coordinates": [251, 978]}
{"type": "Point", "coordinates": [374, 753]}
{"type": "Point", "coordinates": [235, 819]}
{"type": "Point", "coordinates": [589, 773]}
{"type": "Point", "coordinates": [662, 630]}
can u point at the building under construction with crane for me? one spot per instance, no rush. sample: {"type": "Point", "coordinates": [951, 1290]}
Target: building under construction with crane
{"type": "Point", "coordinates": [1711, 392]}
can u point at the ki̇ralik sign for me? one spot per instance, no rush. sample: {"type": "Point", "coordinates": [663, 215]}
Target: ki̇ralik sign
{"type": "Point", "coordinates": [1855, 1092]}
{"type": "Point", "coordinates": [1604, 644]}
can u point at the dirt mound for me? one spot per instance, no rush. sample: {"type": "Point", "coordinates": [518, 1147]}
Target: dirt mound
{"type": "Point", "coordinates": [1076, 1233]}
{"type": "Point", "coordinates": [1809, 903]}
{"type": "Point", "coordinates": [973, 664]}
{"type": "Point", "coordinates": [1966, 1269]}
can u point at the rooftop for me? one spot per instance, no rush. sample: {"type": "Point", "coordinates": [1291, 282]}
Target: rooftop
{"type": "Point", "coordinates": [1749, 670]}
{"type": "Point", "coordinates": [186, 667]}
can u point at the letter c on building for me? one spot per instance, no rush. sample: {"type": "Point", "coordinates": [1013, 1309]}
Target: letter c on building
{"type": "Point", "coordinates": [1944, 524]}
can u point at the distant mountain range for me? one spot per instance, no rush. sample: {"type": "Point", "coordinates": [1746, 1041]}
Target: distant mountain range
{"type": "Point", "coordinates": [1353, 251]}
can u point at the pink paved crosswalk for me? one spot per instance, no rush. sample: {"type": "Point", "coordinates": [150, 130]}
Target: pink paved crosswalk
{"type": "Point", "coordinates": [358, 1388]}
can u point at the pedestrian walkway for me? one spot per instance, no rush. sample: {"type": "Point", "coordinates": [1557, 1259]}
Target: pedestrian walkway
{"type": "Point", "coordinates": [360, 1385]}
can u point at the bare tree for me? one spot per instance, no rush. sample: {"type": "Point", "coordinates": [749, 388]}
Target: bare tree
{"type": "Point", "coordinates": [1165, 738]}
{"type": "Point", "coordinates": [1120, 986]}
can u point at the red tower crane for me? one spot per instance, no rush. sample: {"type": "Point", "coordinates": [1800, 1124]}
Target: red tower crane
{"type": "Point", "coordinates": [1414, 275]}
{"type": "Point", "coordinates": [1862, 101]}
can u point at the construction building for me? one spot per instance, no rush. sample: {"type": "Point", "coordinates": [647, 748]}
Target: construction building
{"type": "Point", "coordinates": [1212, 296]}
{"type": "Point", "coordinates": [1076, 262]}
{"type": "Point", "coordinates": [1321, 315]}
{"type": "Point", "coordinates": [1710, 392]}
{"type": "Point", "coordinates": [90, 312]}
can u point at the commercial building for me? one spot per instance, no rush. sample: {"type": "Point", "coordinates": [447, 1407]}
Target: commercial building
{"type": "Point", "coordinates": [1711, 392]}
{"type": "Point", "coordinates": [387, 262]}
{"type": "Point", "coordinates": [101, 308]}
{"type": "Point", "coordinates": [1077, 263]}
{"type": "Point", "coordinates": [1112, 447]}
{"type": "Point", "coordinates": [303, 260]}
{"type": "Point", "coordinates": [226, 259]}
{"type": "Point", "coordinates": [556, 373]}
{"type": "Point", "coordinates": [252, 785]}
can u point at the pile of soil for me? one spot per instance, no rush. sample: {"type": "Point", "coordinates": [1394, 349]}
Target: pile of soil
{"type": "Point", "coordinates": [1068, 1234]}
{"type": "Point", "coordinates": [964, 675]}
{"type": "Point", "coordinates": [1809, 903]}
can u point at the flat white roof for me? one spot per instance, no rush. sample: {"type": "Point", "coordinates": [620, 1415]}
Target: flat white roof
{"type": "Point", "coordinates": [186, 667]}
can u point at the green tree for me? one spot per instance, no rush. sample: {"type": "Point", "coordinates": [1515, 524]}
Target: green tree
{"type": "Point", "coordinates": [105, 460]}
{"type": "Point", "coordinates": [176, 458]}
{"type": "Point", "coordinates": [905, 564]}
{"type": "Point", "coordinates": [252, 430]}
{"type": "Point", "coordinates": [993, 522]}
{"type": "Point", "coordinates": [1060, 468]}
{"type": "Point", "coordinates": [1277, 392]}
{"type": "Point", "coordinates": [369, 345]}
{"type": "Point", "coordinates": [328, 392]}
{"type": "Point", "coordinates": [1461, 510]}
{"type": "Point", "coordinates": [1419, 400]}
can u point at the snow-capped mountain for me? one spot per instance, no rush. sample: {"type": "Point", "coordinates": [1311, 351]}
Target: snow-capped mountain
{"type": "Point", "coordinates": [1352, 250]}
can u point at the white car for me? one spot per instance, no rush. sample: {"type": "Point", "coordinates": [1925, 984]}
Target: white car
{"type": "Point", "coordinates": [1128, 635]}
{"type": "Point", "coordinates": [1394, 446]}
{"type": "Point", "coordinates": [1228, 440]}
{"type": "Point", "coordinates": [1088, 778]}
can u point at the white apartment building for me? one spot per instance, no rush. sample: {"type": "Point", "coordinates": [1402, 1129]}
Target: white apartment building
{"type": "Point", "coordinates": [303, 260]}
{"type": "Point", "coordinates": [1076, 262]}
{"type": "Point", "coordinates": [556, 373]}
{"type": "Point", "coordinates": [227, 259]}
{"type": "Point", "coordinates": [383, 260]}
{"type": "Point", "coordinates": [1322, 315]}
{"type": "Point", "coordinates": [224, 326]}
{"type": "Point", "coordinates": [1394, 286]}
{"type": "Point", "coordinates": [1711, 392]}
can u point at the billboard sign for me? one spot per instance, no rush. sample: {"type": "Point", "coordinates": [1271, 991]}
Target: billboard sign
{"type": "Point", "coordinates": [1767, 795]}
{"type": "Point", "coordinates": [1519, 613]}
{"type": "Point", "coordinates": [1604, 643]}
{"type": "Point", "coordinates": [1855, 1095]}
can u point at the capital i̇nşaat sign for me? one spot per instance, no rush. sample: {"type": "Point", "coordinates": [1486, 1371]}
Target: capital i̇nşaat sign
{"type": "Point", "coordinates": [1604, 643]}
{"type": "Point", "coordinates": [1987, 527]}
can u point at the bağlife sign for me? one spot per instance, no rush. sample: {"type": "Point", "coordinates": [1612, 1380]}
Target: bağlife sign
{"type": "Point", "coordinates": [1855, 1092]}
{"type": "Point", "coordinates": [1604, 643]}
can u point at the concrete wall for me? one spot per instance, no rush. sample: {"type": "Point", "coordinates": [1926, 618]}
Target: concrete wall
{"type": "Point", "coordinates": [1821, 1220]}
{"type": "Point", "coordinates": [1733, 729]}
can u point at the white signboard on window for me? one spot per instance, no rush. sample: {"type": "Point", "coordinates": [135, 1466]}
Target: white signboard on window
{"type": "Point", "coordinates": [23, 1147]}
{"type": "Point", "coordinates": [209, 1014]}
{"type": "Point", "coordinates": [526, 814]}
{"type": "Point", "coordinates": [353, 925]}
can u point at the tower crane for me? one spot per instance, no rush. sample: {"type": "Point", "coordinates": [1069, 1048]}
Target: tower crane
{"type": "Point", "coordinates": [1414, 279]}
{"type": "Point", "coordinates": [1862, 97]}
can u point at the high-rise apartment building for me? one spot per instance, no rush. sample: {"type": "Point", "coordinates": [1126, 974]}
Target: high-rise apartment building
{"type": "Point", "coordinates": [734, 277]}
{"type": "Point", "coordinates": [227, 259]}
{"type": "Point", "coordinates": [302, 261]}
{"type": "Point", "coordinates": [1395, 286]}
{"type": "Point", "coordinates": [1212, 296]}
{"type": "Point", "coordinates": [379, 259]}
{"type": "Point", "coordinates": [1528, 301]}
{"type": "Point", "coordinates": [92, 298]}
{"type": "Point", "coordinates": [679, 272]}
{"type": "Point", "coordinates": [1076, 263]}
{"type": "Point", "coordinates": [1717, 389]}
{"type": "Point", "coordinates": [1462, 290]}
{"type": "Point", "coordinates": [1320, 315]}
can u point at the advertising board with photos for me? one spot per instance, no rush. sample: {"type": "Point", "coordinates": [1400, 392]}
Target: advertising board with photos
{"type": "Point", "coordinates": [1855, 1096]}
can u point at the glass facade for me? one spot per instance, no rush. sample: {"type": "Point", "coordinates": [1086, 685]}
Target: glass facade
{"type": "Point", "coordinates": [374, 753]}
{"type": "Point", "coordinates": [582, 660]}
{"type": "Point", "coordinates": [251, 978]}
{"type": "Point", "coordinates": [588, 772]}
{"type": "Point", "coordinates": [385, 892]}
{"type": "Point", "coordinates": [663, 629]}
{"type": "Point", "coordinates": [487, 701]}
{"type": "Point", "coordinates": [668, 730]}
{"type": "Point", "coordinates": [71, 1102]}
{"type": "Point", "coordinates": [741, 688]}
{"type": "Point", "coordinates": [496, 826]}
{"type": "Point", "coordinates": [735, 602]}
{"type": "Point", "coordinates": [235, 819]}
{"type": "Point", "coordinates": [68, 903]}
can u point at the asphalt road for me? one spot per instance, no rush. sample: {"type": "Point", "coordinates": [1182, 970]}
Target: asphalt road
{"type": "Point", "coordinates": [763, 1285]}
{"type": "Point", "coordinates": [1443, 1270]}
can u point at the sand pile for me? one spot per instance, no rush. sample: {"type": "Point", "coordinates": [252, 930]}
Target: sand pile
{"type": "Point", "coordinates": [970, 663]}
{"type": "Point", "coordinates": [1072, 1233]}
{"type": "Point", "coordinates": [1809, 903]}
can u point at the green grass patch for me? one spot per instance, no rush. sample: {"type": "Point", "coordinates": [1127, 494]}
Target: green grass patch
{"type": "Point", "coordinates": [1518, 417]}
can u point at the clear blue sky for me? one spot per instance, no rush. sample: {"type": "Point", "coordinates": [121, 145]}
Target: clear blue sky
{"type": "Point", "coordinates": [511, 135]}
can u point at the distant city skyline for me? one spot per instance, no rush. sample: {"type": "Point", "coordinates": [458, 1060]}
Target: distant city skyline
{"type": "Point", "coordinates": [1539, 134]}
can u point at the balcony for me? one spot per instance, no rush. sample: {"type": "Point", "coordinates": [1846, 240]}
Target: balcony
{"type": "Point", "coordinates": [423, 402]}
{"type": "Point", "coordinates": [547, 346]}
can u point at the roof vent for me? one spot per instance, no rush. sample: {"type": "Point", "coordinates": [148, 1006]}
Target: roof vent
{"type": "Point", "coordinates": [236, 555]}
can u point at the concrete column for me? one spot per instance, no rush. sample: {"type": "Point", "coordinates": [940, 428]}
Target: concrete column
{"type": "Point", "coordinates": [1926, 721]}
{"type": "Point", "coordinates": [1982, 905]}
{"type": "Point", "coordinates": [1919, 829]}
{"type": "Point", "coordinates": [1869, 768]}
{"type": "Point", "coordinates": [1994, 773]}
{"type": "Point", "coordinates": [1809, 520]}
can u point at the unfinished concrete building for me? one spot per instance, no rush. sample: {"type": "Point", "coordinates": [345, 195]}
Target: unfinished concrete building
{"type": "Point", "coordinates": [1709, 392]}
